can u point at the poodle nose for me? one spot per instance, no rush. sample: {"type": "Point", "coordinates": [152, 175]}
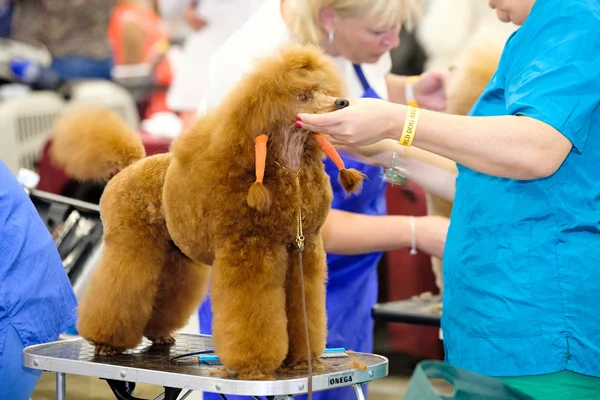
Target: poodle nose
{"type": "Point", "coordinates": [342, 103]}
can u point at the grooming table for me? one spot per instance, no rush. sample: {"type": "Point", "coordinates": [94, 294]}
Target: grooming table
{"type": "Point", "coordinates": [416, 311]}
{"type": "Point", "coordinates": [151, 365]}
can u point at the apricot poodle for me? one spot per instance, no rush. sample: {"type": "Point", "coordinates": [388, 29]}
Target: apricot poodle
{"type": "Point", "coordinates": [230, 194]}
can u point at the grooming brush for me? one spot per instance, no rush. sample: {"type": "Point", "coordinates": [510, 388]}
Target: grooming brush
{"type": "Point", "coordinates": [214, 360]}
{"type": "Point", "coordinates": [82, 228]}
{"type": "Point", "coordinates": [63, 230]}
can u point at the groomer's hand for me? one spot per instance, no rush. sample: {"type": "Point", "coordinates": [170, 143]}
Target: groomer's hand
{"type": "Point", "coordinates": [430, 90]}
{"type": "Point", "coordinates": [364, 121]}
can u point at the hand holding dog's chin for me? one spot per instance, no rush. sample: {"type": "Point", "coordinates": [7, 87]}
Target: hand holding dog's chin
{"type": "Point", "coordinates": [363, 122]}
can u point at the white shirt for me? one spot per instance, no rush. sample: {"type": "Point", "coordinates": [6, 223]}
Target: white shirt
{"type": "Point", "coordinates": [450, 27]}
{"type": "Point", "coordinates": [224, 17]}
{"type": "Point", "coordinates": [262, 35]}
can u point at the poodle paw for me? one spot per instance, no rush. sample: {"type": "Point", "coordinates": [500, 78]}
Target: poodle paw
{"type": "Point", "coordinates": [165, 340]}
{"type": "Point", "coordinates": [101, 349]}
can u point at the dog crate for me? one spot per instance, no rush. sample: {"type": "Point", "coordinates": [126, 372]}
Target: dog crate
{"type": "Point", "coordinates": [25, 126]}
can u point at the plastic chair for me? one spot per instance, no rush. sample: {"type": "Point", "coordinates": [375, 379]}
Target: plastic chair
{"type": "Point", "coordinates": [25, 126]}
{"type": "Point", "coordinates": [107, 94]}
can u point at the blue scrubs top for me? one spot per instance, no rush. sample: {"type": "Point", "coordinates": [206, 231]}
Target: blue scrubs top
{"type": "Point", "coordinates": [35, 293]}
{"type": "Point", "coordinates": [522, 259]}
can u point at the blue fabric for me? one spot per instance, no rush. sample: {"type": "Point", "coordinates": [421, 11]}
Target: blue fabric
{"type": "Point", "coordinates": [6, 11]}
{"type": "Point", "coordinates": [82, 68]}
{"type": "Point", "coordinates": [16, 381]}
{"type": "Point", "coordinates": [35, 293]}
{"type": "Point", "coordinates": [521, 263]}
{"type": "Point", "coordinates": [352, 280]}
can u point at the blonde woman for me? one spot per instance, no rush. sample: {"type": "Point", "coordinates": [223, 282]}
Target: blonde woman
{"type": "Point", "coordinates": [358, 34]}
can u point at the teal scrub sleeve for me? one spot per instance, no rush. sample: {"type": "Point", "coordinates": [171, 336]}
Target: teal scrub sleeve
{"type": "Point", "coordinates": [556, 79]}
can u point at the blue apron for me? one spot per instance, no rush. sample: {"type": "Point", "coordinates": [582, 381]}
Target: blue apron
{"type": "Point", "coordinates": [352, 282]}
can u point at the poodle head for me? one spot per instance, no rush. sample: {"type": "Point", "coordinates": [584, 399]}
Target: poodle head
{"type": "Point", "coordinates": [296, 79]}
{"type": "Point", "coordinates": [262, 110]}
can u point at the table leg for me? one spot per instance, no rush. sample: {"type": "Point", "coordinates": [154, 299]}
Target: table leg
{"type": "Point", "coordinates": [61, 386]}
{"type": "Point", "coordinates": [358, 392]}
{"type": "Point", "coordinates": [172, 393]}
{"type": "Point", "coordinates": [186, 395]}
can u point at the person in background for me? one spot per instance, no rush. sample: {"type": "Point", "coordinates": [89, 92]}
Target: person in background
{"type": "Point", "coordinates": [138, 36]}
{"type": "Point", "coordinates": [74, 32]}
{"type": "Point", "coordinates": [5, 18]}
{"type": "Point", "coordinates": [37, 302]}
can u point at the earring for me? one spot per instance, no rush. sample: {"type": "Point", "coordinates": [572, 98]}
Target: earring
{"type": "Point", "coordinates": [331, 36]}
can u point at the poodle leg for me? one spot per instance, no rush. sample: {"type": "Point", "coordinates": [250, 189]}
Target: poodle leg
{"type": "Point", "coordinates": [182, 287]}
{"type": "Point", "coordinates": [315, 273]}
{"type": "Point", "coordinates": [248, 301]}
{"type": "Point", "coordinates": [120, 298]}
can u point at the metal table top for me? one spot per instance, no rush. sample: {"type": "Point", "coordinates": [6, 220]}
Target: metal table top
{"type": "Point", "coordinates": [151, 365]}
{"type": "Point", "coordinates": [417, 311]}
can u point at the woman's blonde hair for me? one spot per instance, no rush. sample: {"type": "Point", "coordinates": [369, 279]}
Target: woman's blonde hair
{"type": "Point", "coordinates": [306, 25]}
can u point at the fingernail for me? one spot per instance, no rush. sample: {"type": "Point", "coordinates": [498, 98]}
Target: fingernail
{"type": "Point", "coordinates": [298, 125]}
{"type": "Point", "coordinates": [298, 118]}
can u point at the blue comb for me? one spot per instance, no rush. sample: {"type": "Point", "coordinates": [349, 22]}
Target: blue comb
{"type": "Point", "coordinates": [210, 360]}
{"type": "Point", "coordinates": [336, 352]}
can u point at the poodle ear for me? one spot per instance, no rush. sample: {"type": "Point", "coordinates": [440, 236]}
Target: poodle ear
{"type": "Point", "coordinates": [350, 179]}
{"type": "Point", "coordinates": [259, 196]}
{"type": "Point", "coordinates": [251, 107]}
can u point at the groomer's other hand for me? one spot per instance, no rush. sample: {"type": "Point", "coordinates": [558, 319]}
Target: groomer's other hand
{"type": "Point", "coordinates": [431, 232]}
{"type": "Point", "coordinates": [364, 121]}
{"type": "Point", "coordinates": [430, 90]}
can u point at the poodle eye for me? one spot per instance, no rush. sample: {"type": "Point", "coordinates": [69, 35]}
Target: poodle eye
{"type": "Point", "coordinates": [303, 97]}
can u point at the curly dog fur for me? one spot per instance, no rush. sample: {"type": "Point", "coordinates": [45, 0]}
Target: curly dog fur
{"type": "Point", "coordinates": [169, 216]}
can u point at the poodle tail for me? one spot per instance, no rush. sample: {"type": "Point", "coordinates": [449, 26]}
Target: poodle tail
{"type": "Point", "coordinates": [94, 143]}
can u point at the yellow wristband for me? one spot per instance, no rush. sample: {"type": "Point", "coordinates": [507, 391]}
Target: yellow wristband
{"type": "Point", "coordinates": [410, 91]}
{"type": "Point", "coordinates": [410, 127]}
